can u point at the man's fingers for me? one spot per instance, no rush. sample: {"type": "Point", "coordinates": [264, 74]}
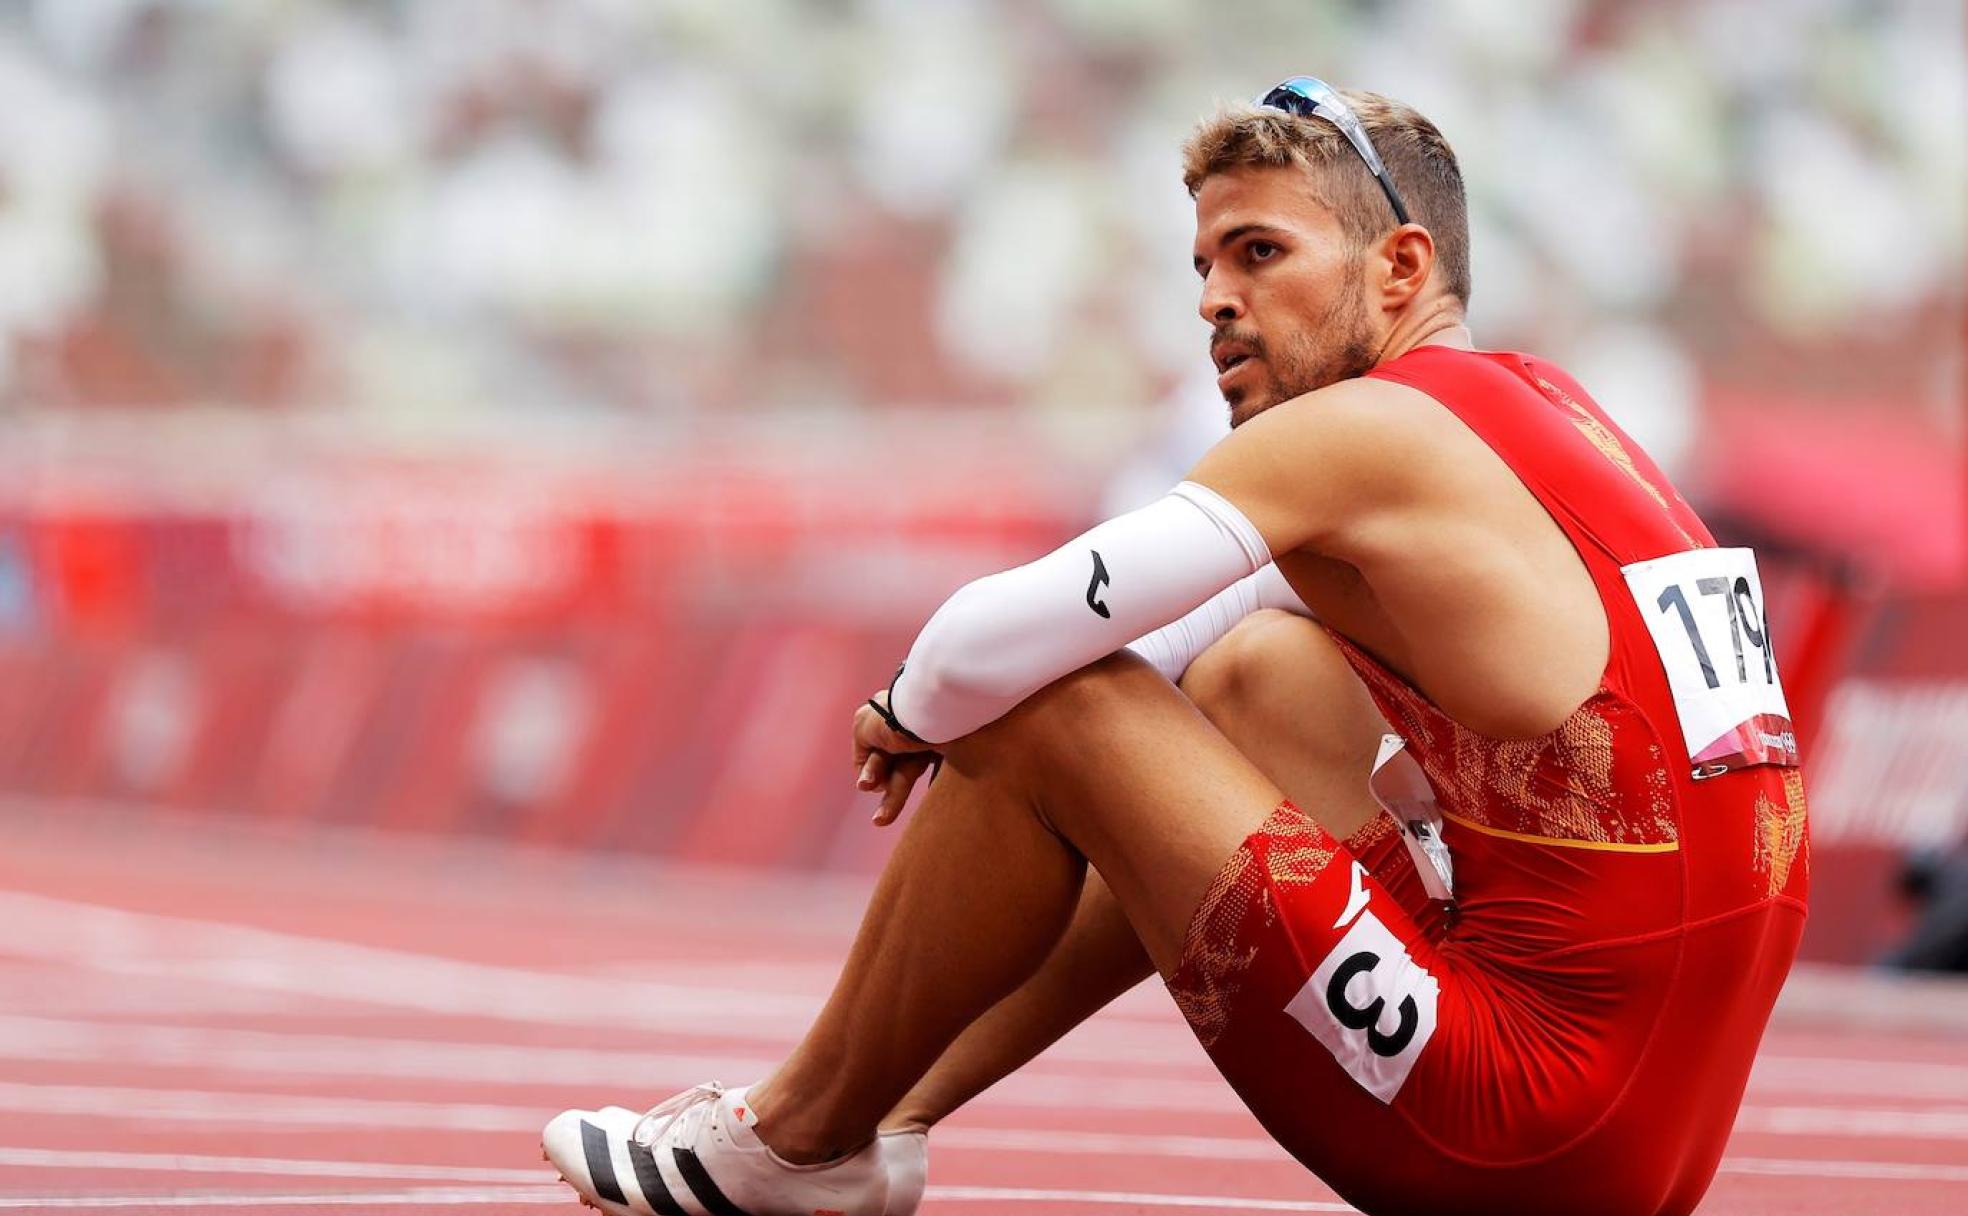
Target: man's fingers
{"type": "Point", "coordinates": [874, 771]}
{"type": "Point", "coordinates": [861, 745]}
{"type": "Point", "coordinates": [887, 761]}
{"type": "Point", "coordinates": [894, 794]}
{"type": "Point", "coordinates": [895, 791]}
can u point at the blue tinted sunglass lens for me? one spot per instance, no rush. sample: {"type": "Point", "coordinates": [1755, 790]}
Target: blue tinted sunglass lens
{"type": "Point", "coordinates": [1285, 97]}
{"type": "Point", "coordinates": [1302, 96]}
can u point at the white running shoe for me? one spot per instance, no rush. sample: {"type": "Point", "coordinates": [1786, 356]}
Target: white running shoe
{"type": "Point", "coordinates": [905, 1157]}
{"type": "Point", "coordinates": [697, 1155]}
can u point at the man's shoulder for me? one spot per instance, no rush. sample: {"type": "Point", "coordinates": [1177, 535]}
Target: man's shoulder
{"type": "Point", "coordinates": [1372, 421]}
{"type": "Point", "coordinates": [1368, 454]}
{"type": "Point", "coordinates": [1350, 456]}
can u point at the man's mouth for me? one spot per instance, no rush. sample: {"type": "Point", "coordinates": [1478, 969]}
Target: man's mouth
{"type": "Point", "coordinates": [1230, 355]}
{"type": "Point", "coordinates": [1228, 364]}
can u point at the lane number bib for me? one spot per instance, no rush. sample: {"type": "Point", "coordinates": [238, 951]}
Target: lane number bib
{"type": "Point", "coordinates": [1368, 1001]}
{"type": "Point", "coordinates": [1705, 611]}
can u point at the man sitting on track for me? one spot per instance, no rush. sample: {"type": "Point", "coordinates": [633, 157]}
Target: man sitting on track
{"type": "Point", "coordinates": [1514, 961]}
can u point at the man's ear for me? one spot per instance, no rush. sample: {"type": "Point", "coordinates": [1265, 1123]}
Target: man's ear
{"type": "Point", "coordinates": [1408, 253]}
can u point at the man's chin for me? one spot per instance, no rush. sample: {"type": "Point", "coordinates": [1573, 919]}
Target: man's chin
{"type": "Point", "coordinates": [1245, 405]}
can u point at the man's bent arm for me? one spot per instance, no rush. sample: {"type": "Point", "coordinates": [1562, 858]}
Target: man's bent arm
{"type": "Point", "coordinates": [1175, 645]}
{"type": "Point", "coordinates": [1004, 637]}
{"type": "Point", "coordinates": [1304, 474]}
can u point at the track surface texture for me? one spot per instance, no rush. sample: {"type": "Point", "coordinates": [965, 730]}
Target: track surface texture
{"type": "Point", "coordinates": [202, 1015]}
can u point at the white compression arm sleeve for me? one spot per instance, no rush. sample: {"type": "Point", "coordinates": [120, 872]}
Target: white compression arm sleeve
{"type": "Point", "coordinates": [1002, 638]}
{"type": "Point", "coordinates": [1174, 646]}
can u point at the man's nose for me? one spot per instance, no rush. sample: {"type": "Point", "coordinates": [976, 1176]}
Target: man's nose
{"type": "Point", "coordinates": [1220, 304]}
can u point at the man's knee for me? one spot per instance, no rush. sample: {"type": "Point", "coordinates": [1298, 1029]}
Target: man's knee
{"type": "Point", "coordinates": [1277, 675]}
{"type": "Point", "coordinates": [1063, 711]}
{"type": "Point", "coordinates": [1250, 668]}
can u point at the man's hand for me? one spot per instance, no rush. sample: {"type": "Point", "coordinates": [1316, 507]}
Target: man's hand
{"type": "Point", "coordinates": [887, 761]}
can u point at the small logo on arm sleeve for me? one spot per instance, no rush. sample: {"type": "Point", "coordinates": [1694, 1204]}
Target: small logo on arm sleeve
{"type": "Point", "coordinates": [1100, 580]}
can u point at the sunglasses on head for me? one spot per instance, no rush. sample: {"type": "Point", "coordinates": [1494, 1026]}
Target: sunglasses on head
{"type": "Point", "coordinates": [1310, 97]}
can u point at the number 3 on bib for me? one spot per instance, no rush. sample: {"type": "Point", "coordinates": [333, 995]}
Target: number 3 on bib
{"type": "Point", "coordinates": [1704, 609]}
{"type": "Point", "coordinates": [1368, 1000]}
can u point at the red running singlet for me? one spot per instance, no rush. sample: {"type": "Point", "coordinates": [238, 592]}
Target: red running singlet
{"type": "Point", "coordinates": [1574, 1031]}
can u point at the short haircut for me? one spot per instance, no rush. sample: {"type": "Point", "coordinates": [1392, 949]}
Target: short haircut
{"type": "Point", "coordinates": [1419, 160]}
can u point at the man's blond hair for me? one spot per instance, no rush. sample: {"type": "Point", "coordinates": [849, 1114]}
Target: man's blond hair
{"type": "Point", "coordinates": [1419, 160]}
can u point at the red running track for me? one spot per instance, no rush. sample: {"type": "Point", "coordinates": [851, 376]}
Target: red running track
{"type": "Point", "coordinates": [199, 1017]}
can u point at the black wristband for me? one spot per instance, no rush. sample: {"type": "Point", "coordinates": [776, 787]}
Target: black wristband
{"type": "Point", "coordinates": [888, 715]}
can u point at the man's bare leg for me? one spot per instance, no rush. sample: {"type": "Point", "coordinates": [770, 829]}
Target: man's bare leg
{"type": "Point", "coordinates": [1097, 960]}
{"type": "Point", "coordinates": [1110, 765]}
{"type": "Point", "coordinates": [1281, 692]}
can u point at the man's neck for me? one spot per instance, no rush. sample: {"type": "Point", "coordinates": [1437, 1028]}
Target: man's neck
{"type": "Point", "coordinates": [1441, 324]}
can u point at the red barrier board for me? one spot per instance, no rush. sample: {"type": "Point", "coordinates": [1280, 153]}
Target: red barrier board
{"type": "Point", "coordinates": [669, 681]}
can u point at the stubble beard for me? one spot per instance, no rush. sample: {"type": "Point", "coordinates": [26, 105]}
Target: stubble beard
{"type": "Point", "coordinates": [1339, 345]}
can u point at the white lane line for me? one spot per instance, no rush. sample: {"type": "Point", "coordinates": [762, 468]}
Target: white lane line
{"type": "Point", "coordinates": [418, 1196]}
{"type": "Point", "coordinates": [51, 990]}
{"type": "Point", "coordinates": [516, 1195]}
{"type": "Point", "coordinates": [461, 1196]}
{"type": "Point", "coordinates": [541, 1196]}
{"type": "Point", "coordinates": [1111, 1144]}
{"type": "Point", "coordinates": [1039, 1086]}
{"type": "Point", "coordinates": [120, 942]}
{"type": "Point", "coordinates": [1146, 1147]}
{"type": "Point", "coordinates": [305, 1168]}
{"type": "Point", "coordinates": [1885, 1124]}
{"type": "Point", "coordinates": [236, 1109]}
{"type": "Point", "coordinates": [1849, 1077]}
{"type": "Point", "coordinates": [134, 943]}
{"type": "Point", "coordinates": [284, 1167]}
{"type": "Point", "coordinates": [244, 1109]}
{"type": "Point", "coordinates": [338, 1055]}
{"type": "Point", "coordinates": [285, 1053]}
{"type": "Point", "coordinates": [228, 1110]}
{"type": "Point", "coordinates": [1148, 1199]}
{"type": "Point", "coordinates": [1946, 1123]}
{"type": "Point", "coordinates": [1883, 1171]}
{"type": "Point", "coordinates": [273, 1051]}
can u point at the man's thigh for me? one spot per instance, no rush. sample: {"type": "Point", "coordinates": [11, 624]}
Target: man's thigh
{"type": "Point", "coordinates": [1319, 997]}
{"type": "Point", "coordinates": [1390, 1057]}
{"type": "Point", "coordinates": [1160, 788]}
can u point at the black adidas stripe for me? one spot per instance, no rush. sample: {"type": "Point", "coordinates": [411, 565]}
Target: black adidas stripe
{"type": "Point", "coordinates": [707, 1192]}
{"type": "Point", "coordinates": [601, 1170]}
{"type": "Point", "coordinates": [651, 1182]}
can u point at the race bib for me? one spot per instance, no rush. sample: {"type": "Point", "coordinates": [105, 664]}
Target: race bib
{"type": "Point", "coordinates": [1368, 1001]}
{"type": "Point", "coordinates": [1704, 609]}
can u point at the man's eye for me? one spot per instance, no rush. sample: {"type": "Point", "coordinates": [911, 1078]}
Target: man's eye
{"type": "Point", "coordinates": [1262, 251]}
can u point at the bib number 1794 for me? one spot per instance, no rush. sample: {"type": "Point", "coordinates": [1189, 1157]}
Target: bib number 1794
{"type": "Point", "coordinates": [1704, 610]}
{"type": "Point", "coordinates": [1745, 621]}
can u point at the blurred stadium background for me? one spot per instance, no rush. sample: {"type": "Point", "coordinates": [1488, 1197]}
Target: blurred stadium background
{"type": "Point", "coordinates": [544, 421]}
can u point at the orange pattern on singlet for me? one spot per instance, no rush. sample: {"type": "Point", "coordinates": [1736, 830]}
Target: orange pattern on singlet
{"type": "Point", "coordinates": [1599, 778]}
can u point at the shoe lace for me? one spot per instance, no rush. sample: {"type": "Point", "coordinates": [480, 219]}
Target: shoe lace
{"type": "Point", "coordinates": [658, 1118]}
